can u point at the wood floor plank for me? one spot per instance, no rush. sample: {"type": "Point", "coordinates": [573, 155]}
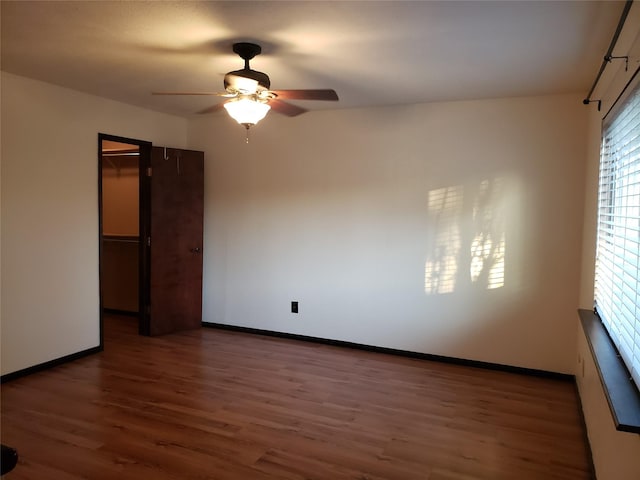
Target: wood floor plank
{"type": "Point", "coordinates": [228, 406]}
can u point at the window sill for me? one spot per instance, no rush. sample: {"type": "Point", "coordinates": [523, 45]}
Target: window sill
{"type": "Point", "coordinates": [622, 394]}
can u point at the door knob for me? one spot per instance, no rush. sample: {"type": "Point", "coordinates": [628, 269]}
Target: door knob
{"type": "Point", "coordinates": [195, 250]}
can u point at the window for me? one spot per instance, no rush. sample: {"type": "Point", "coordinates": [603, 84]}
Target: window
{"type": "Point", "coordinates": [618, 250]}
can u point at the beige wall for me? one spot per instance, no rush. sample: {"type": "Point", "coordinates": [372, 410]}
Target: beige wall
{"type": "Point", "coordinates": [446, 228]}
{"type": "Point", "coordinates": [120, 196]}
{"type": "Point", "coordinates": [50, 213]}
{"type": "Point", "coordinates": [120, 274]}
{"type": "Point", "coordinates": [120, 217]}
{"type": "Point", "coordinates": [616, 455]}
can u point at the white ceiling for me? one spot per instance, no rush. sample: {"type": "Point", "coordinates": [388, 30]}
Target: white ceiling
{"type": "Point", "coordinates": [371, 53]}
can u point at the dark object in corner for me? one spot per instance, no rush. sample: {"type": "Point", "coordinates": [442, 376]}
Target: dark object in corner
{"type": "Point", "coordinates": [9, 459]}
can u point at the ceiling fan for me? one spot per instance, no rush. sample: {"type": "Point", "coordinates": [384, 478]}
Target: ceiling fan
{"type": "Point", "coordinates": [250, 97]}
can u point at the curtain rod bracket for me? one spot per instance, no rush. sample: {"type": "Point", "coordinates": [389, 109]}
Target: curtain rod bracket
{"type": "Point", "coordinates": [608, 58]}
{"type": "Point", "coordinates": [586, 101]}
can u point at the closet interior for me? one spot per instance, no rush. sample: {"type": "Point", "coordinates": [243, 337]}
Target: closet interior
{"type": "Point", "coordinates": [120, 227]}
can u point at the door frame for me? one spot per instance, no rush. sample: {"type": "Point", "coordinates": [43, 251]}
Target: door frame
{"type": "Point", "coordinates": [144, 189]}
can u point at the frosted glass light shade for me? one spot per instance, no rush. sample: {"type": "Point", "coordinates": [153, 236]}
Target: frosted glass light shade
{"type": "Point", "coordinates": [246, 111]}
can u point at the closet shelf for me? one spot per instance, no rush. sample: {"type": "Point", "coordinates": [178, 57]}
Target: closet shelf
{"type": "Point", "coordinates": [121, 238]}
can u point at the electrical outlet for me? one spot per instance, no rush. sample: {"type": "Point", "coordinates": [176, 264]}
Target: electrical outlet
{"type": "Point", "coordinates": [581, 365]}
{"type": "Point", "coordinates": [294, 307]}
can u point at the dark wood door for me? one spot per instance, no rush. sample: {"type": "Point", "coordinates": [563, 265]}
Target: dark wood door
{"type": "Point", "coordinates": [176, 208]}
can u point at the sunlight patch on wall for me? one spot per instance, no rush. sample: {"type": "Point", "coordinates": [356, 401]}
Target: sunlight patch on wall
{"type": "Point", "coordinates": [488, 245]}
{"type": "Point", "coordinates": [444, 206]}
{"type": "Point", "coordinates": [469, 242]}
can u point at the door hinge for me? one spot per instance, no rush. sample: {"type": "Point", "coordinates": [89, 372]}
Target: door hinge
{"type": "Point", "coordinates": [148, 241]}
{"type": "Point", "coordinates": [149, 171]}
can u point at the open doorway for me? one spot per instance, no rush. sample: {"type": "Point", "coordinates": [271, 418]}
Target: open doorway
{"type": "Point", "coordinates": [151, 206]}
{"type": "Point", "coordinates": [121, 164]}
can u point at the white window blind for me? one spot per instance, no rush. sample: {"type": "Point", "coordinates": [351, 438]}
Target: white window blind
{"type": "Point", "coordinates": [618, 249]}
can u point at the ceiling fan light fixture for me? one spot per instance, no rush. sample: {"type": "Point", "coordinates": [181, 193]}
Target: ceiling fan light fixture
{"type": "Point", "coordinates": [247, 111]}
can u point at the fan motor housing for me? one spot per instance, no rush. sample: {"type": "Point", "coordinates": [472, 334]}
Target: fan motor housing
{"type": "Point", "coordinates": [260, 77]}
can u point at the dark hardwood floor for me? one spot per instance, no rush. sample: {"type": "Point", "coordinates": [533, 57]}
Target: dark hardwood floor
{"type": "Point", "coordinates": [212, 404]}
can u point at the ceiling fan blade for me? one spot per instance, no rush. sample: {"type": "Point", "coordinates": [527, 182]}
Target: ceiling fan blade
{"type": "Point", "coordinates": [286, 108]}
{"type": "Point", "coordinates": [212, 108]}
{"type": "Point", "coordinates": [216, 94]}
{"type": "Point", "coordinates": [326, 94]}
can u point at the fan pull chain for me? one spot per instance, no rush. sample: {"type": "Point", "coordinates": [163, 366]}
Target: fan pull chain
{"type": "Point", "coordinates": [247, 139]}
